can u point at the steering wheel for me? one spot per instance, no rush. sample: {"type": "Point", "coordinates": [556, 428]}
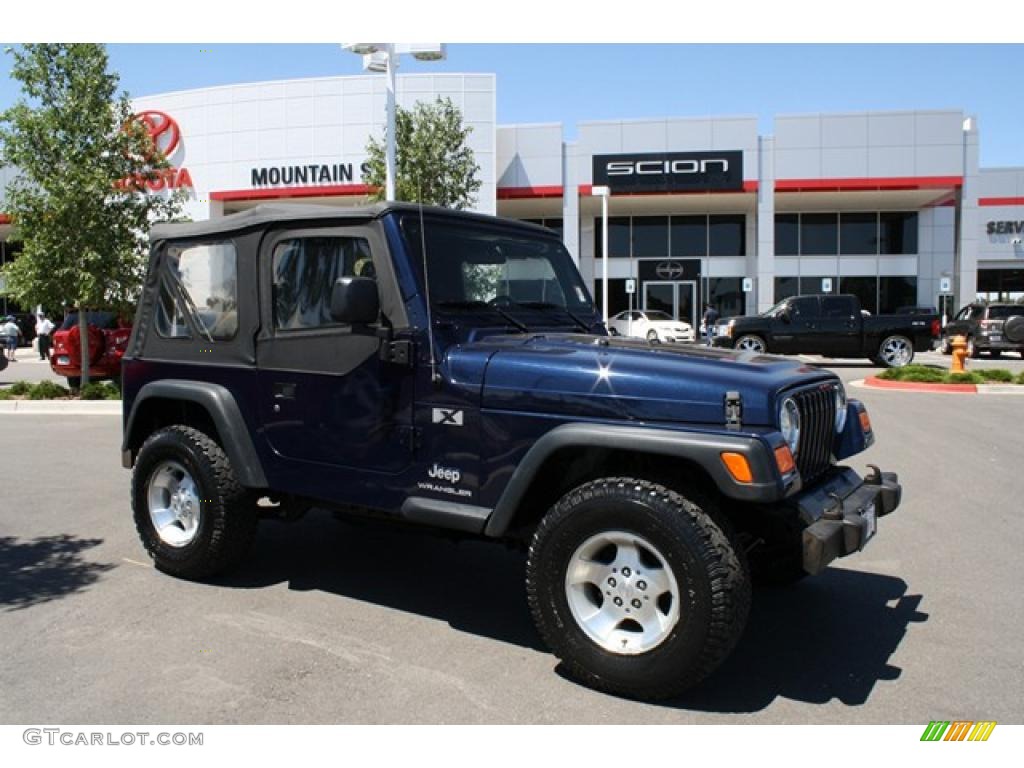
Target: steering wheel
{"type": "Point", "coordinates": [501, 300]}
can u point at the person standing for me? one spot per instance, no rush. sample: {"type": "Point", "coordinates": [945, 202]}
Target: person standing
{"type": "Point", "coordinates": [10, 332]}
{"type": "Point", "coordinates": [44, 332]}
{"type": "Point", "coordinates": [709, 320]}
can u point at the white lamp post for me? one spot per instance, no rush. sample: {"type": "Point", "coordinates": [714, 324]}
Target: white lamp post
{"type": "Point", "coordinates": [383, 57]}
{"type": "Point", "coordinates": [604, 193]}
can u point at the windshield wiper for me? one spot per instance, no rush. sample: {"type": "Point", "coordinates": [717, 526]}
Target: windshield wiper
{"type": "Point", "coordinates": [483, 305]}
{"type": "Point", "coordinates": [549, 305]}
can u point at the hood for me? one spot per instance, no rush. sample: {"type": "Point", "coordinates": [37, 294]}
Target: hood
{"type": "Point", "coordinates": [623, 379]}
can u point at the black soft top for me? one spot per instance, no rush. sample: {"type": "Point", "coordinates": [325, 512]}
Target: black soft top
{"type": "Point", "coordinates": [263, 215]}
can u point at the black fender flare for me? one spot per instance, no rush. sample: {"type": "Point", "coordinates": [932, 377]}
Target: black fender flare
{"type": "Point", "coordinates": [702, 448]}
{"type": "Point", "coordinates": [218, 401]}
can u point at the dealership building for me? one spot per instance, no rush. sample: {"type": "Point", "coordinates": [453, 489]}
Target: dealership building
{"type": "Point", "coordinates": [890, 206]}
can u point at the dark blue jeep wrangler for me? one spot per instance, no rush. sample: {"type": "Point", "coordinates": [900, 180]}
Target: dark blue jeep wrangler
{"type": "Point", "coordinates": [449, 370]}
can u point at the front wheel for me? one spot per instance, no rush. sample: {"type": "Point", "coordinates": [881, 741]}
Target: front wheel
{"type": "Point", "coordinates": [945, 347]}
{"type": "Point", "coordinates": [193, 517]}
{"type": "Point", "coordinates": [895, 352]}
{"type": "Point", "coordinates": [636, 588]}
{"type": "Point", "coordinates": [752, 343]}
{"type": "Point", "coordinates": [652, 337]}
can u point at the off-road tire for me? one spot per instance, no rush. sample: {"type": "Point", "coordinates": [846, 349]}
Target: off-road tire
{"type": "Point", "coordinates": [710, 570]}
{"type": "Point", "coordinates": [228, 519]}
{"type": "Point", "coordinates": [945, 347]}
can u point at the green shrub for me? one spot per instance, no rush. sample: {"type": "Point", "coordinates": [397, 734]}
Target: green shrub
{"type": "Point", "coordinates": [47, 390]}
{"type": "Point", "coordinates": [967, 377]}
{"type": "Point", "coordinates": [5, 394]}
{"type": "Point", "coordinates": [20, 388]}
{"type": "Point", "coordinates": [1020, 378]}
{"type": "Point", "coordinates": [100, 390]}
{"type": "Point", "coordinates": [996, 374]}
{"type": "Point", "coordinates": [918, 373]}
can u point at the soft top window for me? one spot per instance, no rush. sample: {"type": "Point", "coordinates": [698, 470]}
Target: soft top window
{"type": "Point", "coordinates": [198, 292]}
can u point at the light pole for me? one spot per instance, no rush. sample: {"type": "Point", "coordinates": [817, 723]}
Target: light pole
{"type": "Point", "coordinates": [383, 57]}
{"type": "Point", "coordinates": [604, 193]}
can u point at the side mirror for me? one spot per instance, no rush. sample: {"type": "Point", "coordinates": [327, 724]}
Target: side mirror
{"type": "Point", "coordinates": [354, 301]}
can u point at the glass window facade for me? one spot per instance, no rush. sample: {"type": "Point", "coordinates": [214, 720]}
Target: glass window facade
{"type": "Point", "coordinates": [819, 234]}
{"type": "Point", "coordinates": [895, 292]}
{"type": "Point", "coordinates": [689, 236]}
{"type": "Point", "coordinates": [858, 233]}
{"type": "Point", "coordinates": [787, 234]}
{"type": "Point", "coordinates": [786, 287]}
{"type": "Point", "coordinates": [673, 236]}
{"type": "Point", "coordinates": [727, 235]}
{"type": "Point", "coordinates": [898, 233]}
{"type": "Point", "coordinates": [725, 294]}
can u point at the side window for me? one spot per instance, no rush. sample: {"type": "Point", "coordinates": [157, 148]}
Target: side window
{"type": "Point", "coordinates": [963, 314]}
{"type": "Point", "coordinates": [304, 272]}
{"type": "Point", "coordinates": [977, 312]}
{"type": "Point", "coordinates": [837, 306]}
{"type": "Point", "coordinates": [199, 287]}
{"type": "Point", "coordinates": [804, 307]}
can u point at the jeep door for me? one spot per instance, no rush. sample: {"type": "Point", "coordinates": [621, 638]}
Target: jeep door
{"type": "Point", "coordinates": [327, 398]}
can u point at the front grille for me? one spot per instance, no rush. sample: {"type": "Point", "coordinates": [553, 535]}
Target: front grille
{"type": "Point", "coordinates": [817, 430]}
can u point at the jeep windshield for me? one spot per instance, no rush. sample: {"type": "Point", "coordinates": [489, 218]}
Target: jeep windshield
{"type": "Point", "coordinates": [518, 277]}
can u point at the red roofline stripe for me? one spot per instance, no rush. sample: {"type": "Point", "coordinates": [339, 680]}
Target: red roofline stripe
{"type": "Point", "coordinates": [993, 201]}
{"type": "Point", "coordinates": [879, 184]}
{"type": "Point", "coordinates": [339, 190]}
{"type": "Point", "coordinates": [527, 193]}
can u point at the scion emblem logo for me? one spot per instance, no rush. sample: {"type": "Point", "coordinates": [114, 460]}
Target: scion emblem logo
{"type": "Point", "coordinates": [669, 270]}
{"type": "Point", "coordinates": [163, 130]}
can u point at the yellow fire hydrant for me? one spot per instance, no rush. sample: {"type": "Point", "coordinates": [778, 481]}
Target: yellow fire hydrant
{"type": "Point", "coordinates": [959, 346]}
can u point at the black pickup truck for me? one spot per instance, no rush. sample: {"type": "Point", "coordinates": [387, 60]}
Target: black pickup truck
{"type": "Point", "coordinates": [833, 326]}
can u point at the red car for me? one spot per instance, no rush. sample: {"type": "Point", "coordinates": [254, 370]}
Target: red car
{"type": "Point", "coordinates": [108, 339]}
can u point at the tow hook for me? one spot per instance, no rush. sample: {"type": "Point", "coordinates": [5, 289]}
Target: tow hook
{"type": "Point", "coordinates": [889, 492]}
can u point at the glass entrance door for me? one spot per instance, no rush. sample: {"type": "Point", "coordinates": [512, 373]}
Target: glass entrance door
{"type": "Point", "coordinates": [677, 298]}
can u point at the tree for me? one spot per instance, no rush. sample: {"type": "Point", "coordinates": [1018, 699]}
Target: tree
{"type": "Point", "coordinates": [433, 164]}
{"type": "Point", "coordinates": [76, 204]}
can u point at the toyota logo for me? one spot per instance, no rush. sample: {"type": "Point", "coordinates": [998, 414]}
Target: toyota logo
{"type": "Point", "coordinates": [669, 270]}
{"type": "Point", "coordinates": [162, 129]}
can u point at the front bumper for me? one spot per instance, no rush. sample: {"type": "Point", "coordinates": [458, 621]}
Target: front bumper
{"type": "Point", "coordinates": [841, 514]}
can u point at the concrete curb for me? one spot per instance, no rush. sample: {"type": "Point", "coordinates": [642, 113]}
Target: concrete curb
{"type": "Point", "coordinates": [873, 382]}
{"type": "Point", "coordinates": [63, 407]}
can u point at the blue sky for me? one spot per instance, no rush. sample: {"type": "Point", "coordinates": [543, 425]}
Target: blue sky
{"type": "Point", "coordinates": [578, 82]}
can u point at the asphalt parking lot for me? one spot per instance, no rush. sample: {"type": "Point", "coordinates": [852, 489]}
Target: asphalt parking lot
{"type": "Point", "coordinates": [337, 623]}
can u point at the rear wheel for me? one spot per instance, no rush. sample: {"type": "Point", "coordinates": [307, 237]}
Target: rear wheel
{"type": "Point", "coordinates": [636, 588]}
{"type": "Point", "coordinates": [193, 517]}
{"type": "Point", "coordinates": [895, 352]}
{"type": "Point", "coordinates": [752, 343]}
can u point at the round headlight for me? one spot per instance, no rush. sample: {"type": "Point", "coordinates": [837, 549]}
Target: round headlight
{"type": "Point", "coordinates": [840, 407]}
{"type": "Point", "coordinates": [789, 423]}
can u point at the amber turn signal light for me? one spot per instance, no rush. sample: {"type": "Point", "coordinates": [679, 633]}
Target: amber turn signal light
{"type": "Point", "coordinates": [784, 459]}
{"type": "Point", "coordinates": [865, 422]}
{"type": "Point", "coordinates": [738, 467]}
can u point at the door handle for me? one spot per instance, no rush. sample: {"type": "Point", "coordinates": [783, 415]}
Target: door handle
{"type": "Point", "coordinates": [283, 390]}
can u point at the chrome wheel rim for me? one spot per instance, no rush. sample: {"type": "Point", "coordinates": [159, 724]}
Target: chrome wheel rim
{"type": "Point", "coordinates": [173, 501]}
{"type": "Point", "coordinates": [896, 352]}
{"type": "Point", "coordinates": [750, 344]}
{"type": "Point", "coordinates": [622, 593]}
